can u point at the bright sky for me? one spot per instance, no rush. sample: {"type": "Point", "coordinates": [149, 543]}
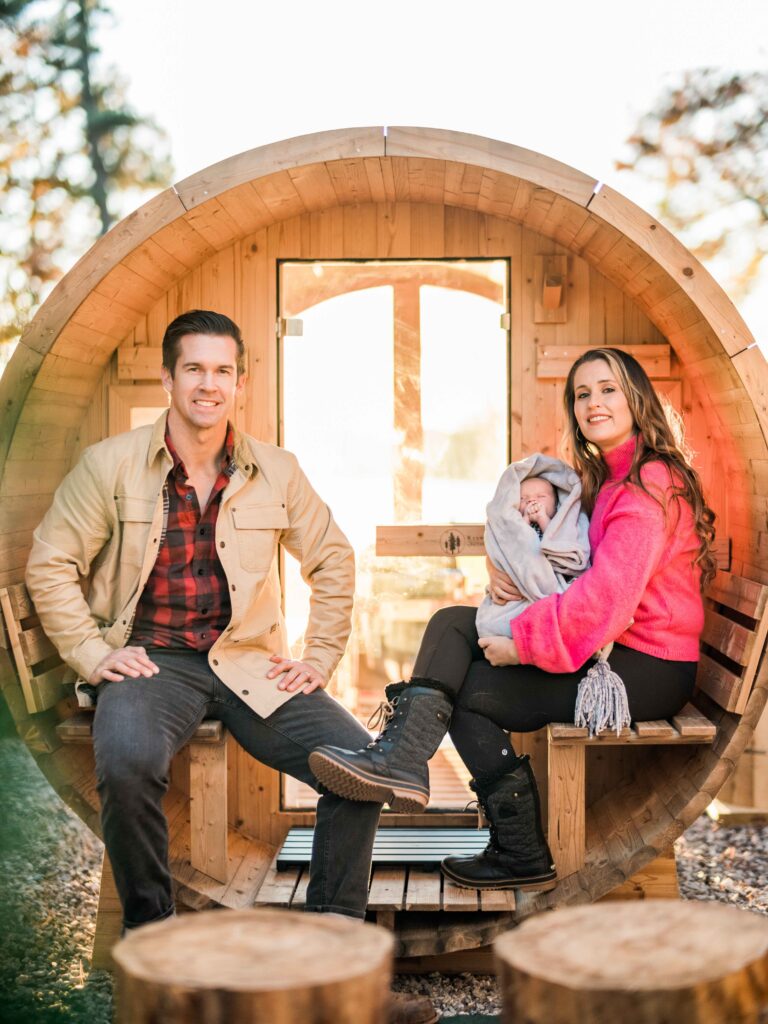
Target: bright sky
{"type": "Point", "coordinates": [563, 78]}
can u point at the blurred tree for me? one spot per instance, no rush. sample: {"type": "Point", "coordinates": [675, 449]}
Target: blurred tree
{"type": "Point", "coordinates": [71, 149]}
{"type": "Point", "coordinates": [705, 148]}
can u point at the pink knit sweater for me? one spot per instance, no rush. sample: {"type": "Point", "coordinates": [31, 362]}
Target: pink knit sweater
{"type": "Point", "coordinates": [641, 569]}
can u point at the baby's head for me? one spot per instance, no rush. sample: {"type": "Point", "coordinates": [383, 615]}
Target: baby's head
{"type": "Point", "coordinates": [535, 489]}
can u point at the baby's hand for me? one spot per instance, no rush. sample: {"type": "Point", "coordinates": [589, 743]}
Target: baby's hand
{"type": "Point", "coordinates": [534, 513]}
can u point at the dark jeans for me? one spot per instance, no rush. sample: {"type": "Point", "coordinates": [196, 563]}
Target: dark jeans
{"type": "Point", "coordinates": [489, 701]}
{"type": "Point", "coordinates": [139, 726]}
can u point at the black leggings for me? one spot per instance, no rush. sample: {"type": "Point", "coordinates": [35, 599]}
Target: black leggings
{"type": "Point", "coordinates": [490, 701]}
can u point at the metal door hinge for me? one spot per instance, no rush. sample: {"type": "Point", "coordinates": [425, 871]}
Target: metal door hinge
{"type": "Point", "coordinates": [289, 327]}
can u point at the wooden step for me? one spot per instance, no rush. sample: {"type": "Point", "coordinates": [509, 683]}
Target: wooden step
{"type": "Point", "coordinates": [392, 890]}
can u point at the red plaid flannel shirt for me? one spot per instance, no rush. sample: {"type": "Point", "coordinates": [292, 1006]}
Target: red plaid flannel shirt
{"type": "Point", "coordinates": [186, 600]}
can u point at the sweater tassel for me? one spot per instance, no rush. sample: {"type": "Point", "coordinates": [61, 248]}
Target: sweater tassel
{"type": "Point", "coordinates": [601, 701]}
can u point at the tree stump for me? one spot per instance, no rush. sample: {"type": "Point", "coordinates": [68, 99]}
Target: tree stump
{"type": "Point", "coordinates": [653, 962]}
{"type": "Point", "coordinates": [261, 966]}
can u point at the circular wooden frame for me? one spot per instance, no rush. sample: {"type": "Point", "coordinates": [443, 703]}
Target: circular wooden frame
{"type": "Point", "coordinates": [45, 390]}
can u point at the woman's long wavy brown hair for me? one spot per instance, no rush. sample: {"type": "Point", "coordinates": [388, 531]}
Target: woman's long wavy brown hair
{"type": "Point", "coordinates": [662, 440]}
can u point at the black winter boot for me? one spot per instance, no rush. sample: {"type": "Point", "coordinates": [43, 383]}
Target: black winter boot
{"type": "Point", "coordinates": [517, 855]}
{"type": "Point", "coordinates": [393, 768]}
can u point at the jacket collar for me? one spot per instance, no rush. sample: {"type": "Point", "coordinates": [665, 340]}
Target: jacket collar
{"type": "Point", "coordinates": [243, 456]}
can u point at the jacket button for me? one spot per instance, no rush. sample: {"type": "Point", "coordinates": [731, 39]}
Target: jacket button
{"type": "Point", "coordinates": [245, 692]}
{"type": "Point", "coordinates": [215, 662]}
{"type": "Point", "coordinates": [222, 544]}
{"type": "Point", "coordinates": [233, 586]}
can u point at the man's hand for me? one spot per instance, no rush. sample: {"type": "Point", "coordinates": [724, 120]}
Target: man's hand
{"type": "Point", "coordinates": [501, 588]}
{"type": "Point", "coordinates": [125, 661]}
{"type": "Point", "coordinates": [299, 675]}
{"type": "Point", "coordinates": [500, 650]}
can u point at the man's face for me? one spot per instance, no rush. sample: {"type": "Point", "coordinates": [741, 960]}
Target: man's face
{"type": "Point", "coordinates": [204, 382]}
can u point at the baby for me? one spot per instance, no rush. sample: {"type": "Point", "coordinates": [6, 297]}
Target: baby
{"type": "Point", "coordinates": [536, 533]}
{"type": "Point", "coordinates": [538, 503]}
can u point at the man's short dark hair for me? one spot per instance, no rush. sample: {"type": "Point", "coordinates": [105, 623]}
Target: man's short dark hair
{"type": "Point", "coordinates": [200, 321]}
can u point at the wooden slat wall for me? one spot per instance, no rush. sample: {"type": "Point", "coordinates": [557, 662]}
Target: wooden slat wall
{"type": "Point", "coordinates": [241, 279]}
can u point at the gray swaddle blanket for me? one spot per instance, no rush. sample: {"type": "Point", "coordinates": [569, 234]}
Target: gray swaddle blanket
{"type": "Point", "coordinates": [538, 567]}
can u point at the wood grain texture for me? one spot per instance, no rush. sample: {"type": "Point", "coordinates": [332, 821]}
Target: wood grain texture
{"type": "Point", "coordinates": [566, 806]}
{"type": "Point", "coordinates": [639, 962]}
{"type": "Point", "coordinates": [554, 361]}
{"type": "Point", "coordinates": [109, 920]}
{"type": "Point", "coordinates": [311, 967]}
{"type": "Point", "coordinates": [208, 807]}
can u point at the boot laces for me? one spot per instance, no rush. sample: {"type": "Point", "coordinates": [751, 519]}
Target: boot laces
{"type": "Point", "coordinates": [485, 820]}
{"type": "Point", "coordinates": [381, 718]}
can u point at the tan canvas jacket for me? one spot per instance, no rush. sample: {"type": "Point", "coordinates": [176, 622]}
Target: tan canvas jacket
{"type": "Point", "coordinates": [102, 534]}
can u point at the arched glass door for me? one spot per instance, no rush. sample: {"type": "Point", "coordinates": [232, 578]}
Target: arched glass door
{"type": "Point", "coordinates": [394, 396]}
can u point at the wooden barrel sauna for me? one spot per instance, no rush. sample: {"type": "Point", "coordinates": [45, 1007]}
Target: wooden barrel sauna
{"type": "Point", "coordinates": [586, 268]}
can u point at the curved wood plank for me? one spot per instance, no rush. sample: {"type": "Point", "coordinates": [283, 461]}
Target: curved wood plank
{"type": "Point", "coordinates": [461, 147]}
{"type": "Point", "coordinates": [279, 156]}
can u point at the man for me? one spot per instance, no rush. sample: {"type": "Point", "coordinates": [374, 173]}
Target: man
{"type": "Point", "coordinates": [175, 528]}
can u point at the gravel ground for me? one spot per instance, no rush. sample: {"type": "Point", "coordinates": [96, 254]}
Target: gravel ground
{"type": "Point", "coordinates": [49, 879]}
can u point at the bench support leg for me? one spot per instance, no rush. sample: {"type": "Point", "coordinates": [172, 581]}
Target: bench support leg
{"type": "Point", "coordinates": [109, 920]}
{"type": "Point", "coordinates": [566, 806]}
{"type": "Point", "coordinates": [208, 808]}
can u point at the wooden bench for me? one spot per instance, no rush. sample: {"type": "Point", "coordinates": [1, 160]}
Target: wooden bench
{"type": "Point", "coordinates": [732, 643]}
{"type": "Point", "coordinates": [43, 674]}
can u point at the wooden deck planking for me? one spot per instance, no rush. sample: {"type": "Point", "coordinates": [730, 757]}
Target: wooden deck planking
{"type": "Point", "coordinates": [387, 891]}
{"type": "Point", "coordinates": [456, 897]}
{"type": "Point", "coordinates": [278, 887]}
{"type": "Point", "coordinates": [423, 890]}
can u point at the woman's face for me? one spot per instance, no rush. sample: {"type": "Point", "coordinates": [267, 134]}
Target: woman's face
{"type": "Point", "coordinates": [600, 406]}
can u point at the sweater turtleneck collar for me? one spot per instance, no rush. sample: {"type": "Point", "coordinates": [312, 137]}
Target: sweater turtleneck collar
{"type": "Point", "coordinates": [618, 460]}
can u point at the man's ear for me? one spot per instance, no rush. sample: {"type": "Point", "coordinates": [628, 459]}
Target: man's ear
{"type": "Point", "coordinates": [240, 383]}
{"type": "Point", "coordinates": [166, 379]}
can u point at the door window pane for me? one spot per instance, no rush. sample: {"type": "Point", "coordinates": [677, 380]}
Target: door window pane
{"type": "Point", "coordinates": [394, 398]}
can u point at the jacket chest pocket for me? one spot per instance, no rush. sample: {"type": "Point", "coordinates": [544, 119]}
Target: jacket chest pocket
{"type": "Point", "coordinates": [258, 528]}
{"type": "Point", "coordinates": [135, 515]}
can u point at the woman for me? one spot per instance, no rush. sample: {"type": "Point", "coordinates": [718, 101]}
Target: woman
{"type": "Point", "coordinates": [650, 535]}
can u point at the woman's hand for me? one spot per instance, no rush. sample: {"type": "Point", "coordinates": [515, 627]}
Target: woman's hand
{"type": "Point", "coordinates": [500, 650]}
{"type": "Point", "coordinates": [501, 588]}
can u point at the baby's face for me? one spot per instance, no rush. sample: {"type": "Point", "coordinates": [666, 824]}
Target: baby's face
{"type": "Point", "coordinates": [537, 494]}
